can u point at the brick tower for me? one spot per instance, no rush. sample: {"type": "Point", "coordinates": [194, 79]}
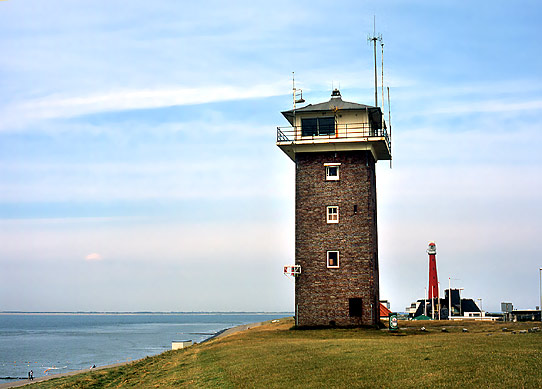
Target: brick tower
{"type": "Point", "coordinates": [335, 146]}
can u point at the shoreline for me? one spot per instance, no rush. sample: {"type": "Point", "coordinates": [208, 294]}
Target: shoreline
{"type": "Point", "coordinates": [136, 313]}
{"type": "Point", "coordinates": [26, 381]}
{"type": "Point", "coordinates": [219, 334]}
{"type": "Point", "coordinates": [233, 330]}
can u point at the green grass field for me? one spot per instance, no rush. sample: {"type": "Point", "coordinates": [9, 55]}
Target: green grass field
{"type": "Point", "coordinates": [274, 355]}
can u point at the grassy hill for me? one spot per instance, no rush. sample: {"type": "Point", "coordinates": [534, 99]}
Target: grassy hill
{"type": "Point", "coordinates": [274, 355]}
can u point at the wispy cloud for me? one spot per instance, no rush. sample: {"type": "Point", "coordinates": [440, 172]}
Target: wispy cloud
{"type": "Point", "coordinates": [504, 96]}
{"type": "Point", "coordinates": [56, 106]}
{"type": "Point", "coordinates": [489, 106]}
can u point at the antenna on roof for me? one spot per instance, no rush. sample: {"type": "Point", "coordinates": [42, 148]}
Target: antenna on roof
{"type": "Point", "coordinates": [382, 46]}
{"type": "Point", "coordinates": [389, 117]}
{"type": "Point", "coordinates": [297, 93]}
{"type": "Point", "coordinates": [374, 39]}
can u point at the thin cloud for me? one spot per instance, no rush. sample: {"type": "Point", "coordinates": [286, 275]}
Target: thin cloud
{"type": "Point", "coordinates": [53, 107]}
{"type": "Point", "coordinates": [489, 107]}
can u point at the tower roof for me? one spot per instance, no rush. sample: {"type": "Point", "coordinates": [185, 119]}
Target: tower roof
{"type": "Point", "coordinates": [336, 103]}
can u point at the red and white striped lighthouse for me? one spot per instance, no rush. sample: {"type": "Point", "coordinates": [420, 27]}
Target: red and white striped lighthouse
{"type": "Point", "coordinates": [432, 292]}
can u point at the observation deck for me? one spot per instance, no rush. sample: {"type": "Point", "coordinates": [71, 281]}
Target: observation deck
{"type": "Point", "coordinates": [346, 137]}
{"type": "Point", "coordinates": [335, 125]}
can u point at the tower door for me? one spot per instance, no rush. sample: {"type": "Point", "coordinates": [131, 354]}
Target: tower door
{"type": "Point", "coordinates": [355, 307]}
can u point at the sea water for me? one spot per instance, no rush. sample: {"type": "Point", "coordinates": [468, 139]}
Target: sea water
{"type": "Point", "coordinates": [59, 343]}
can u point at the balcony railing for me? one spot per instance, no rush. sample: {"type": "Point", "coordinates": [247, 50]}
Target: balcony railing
{"type": "Point", "coordinates": [356, 132]}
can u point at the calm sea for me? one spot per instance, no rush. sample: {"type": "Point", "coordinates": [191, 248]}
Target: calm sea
{"type": "Point", "coordinates": [51, 344]}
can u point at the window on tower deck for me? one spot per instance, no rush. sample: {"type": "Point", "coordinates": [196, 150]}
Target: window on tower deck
{"type": "Point", "coordinates": [332, 171]}
{"type": "Point", "coordinates": [333, 214]}
{"type": "Point", "coordinates": [318, 126]}
{"type": "Point", "coordinates": [326, 126]}
{"type": "Point", "coordinates": [332, 259]}
{"type": "Point", "coordinates": [309, 127]}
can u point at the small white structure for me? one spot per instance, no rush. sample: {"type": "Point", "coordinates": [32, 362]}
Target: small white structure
{"type": "Point", "coordinates": [178, 344]}
{"type": "Point", "coordinates": [292, 270]}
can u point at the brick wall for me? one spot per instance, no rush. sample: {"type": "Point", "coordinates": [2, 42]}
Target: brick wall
{"type": "Point", "coordinates": [322, 294]}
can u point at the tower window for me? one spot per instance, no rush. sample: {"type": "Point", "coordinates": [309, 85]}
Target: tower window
{"type": "Point", "coordinates": [332, 171]}
{"type": "Point", "coordinates": [318, 126]}
{"type": "Point", "coordinates": [333, 214]}
{"type": "Point", "coordinates": [355, 307]}
{"type": "Point", "coordinates": [332, 259]}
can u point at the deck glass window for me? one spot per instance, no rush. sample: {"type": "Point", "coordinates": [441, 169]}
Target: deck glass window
{"type": "Point", "coordinates": [318, 126]}
{"type": "Point", "coordinates": [326, 126]}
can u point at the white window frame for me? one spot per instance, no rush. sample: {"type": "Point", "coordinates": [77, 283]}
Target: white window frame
{"type": "Point", "coordinates": [332, 217]}
{"type": "Point", "coordinates": [328, 176]}
{"type": "Point", "coordinates": [327, 259]}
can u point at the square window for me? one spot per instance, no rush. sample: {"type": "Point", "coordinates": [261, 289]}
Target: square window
{"type": "Point", "coordinates": [333, 214]}
{"type": "Point", "coordinates": [332, 259]}
{"type": "Point", "coordinates": [332, 173]}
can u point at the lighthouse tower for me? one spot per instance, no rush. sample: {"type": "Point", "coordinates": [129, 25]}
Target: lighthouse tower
{"type": "Point", "coordinates": [335, 146]}
{"type": "Point", "coordinates": [432, 292]}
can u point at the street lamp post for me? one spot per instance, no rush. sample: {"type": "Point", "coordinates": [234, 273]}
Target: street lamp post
{"type": "Point", "coordinates": [425, 303]}
{"type": "Point", "coordinates": [438, 301]}
{"type": "Point", "coordinates": [449, 298]}
{"type": "Point", "coordinates": [540, 271]}
{"type": "Point", "coordinates": [432, 305]}
{"type": "Point", "coordinates": [460, 305]}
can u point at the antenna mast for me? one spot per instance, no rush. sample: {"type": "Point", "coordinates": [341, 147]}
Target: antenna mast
{"type": "Point", "coordinates": [389, 116]}
{"type": "Point", "coordinates": [297, 93]}
{"type": "Point", "coordinates": [389, 110]}
{"type": "Point", "coordinates": [382, 46]}
{"type": "Point", "coordinates": [375, 39]}
{"type": "Point", "coordinates": [293, 89]}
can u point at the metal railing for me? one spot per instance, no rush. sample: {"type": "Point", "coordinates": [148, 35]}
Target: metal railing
{"type": "Point", "coordinates": [353, 131]}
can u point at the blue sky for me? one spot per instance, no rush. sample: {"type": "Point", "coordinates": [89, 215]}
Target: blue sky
{"type": "Point", "coordinates": [138, 166]}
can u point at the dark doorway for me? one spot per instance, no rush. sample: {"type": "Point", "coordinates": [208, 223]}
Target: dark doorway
{"type": "Point", "coordinates": [355, 307]}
